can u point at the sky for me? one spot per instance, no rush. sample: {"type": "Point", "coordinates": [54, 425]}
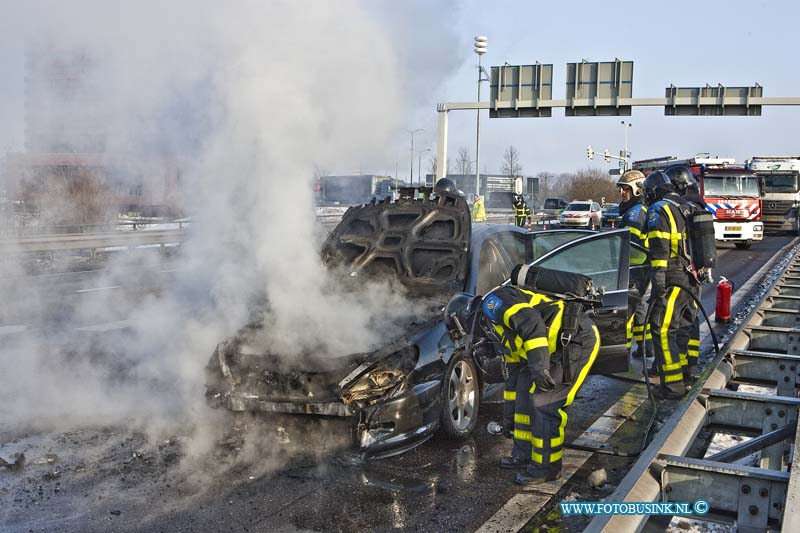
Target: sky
{"type": "Point", "coordinates": [735, 43]}
{"type": "Point", "coordinates": [683, 43]}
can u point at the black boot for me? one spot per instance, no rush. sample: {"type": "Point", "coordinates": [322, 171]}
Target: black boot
{"type": "Point", "coordinates": [536, 475]}
{"type": "Point", "coordinates": [513, 462]}
{"type": "Point", "coordinates": [673, 391]}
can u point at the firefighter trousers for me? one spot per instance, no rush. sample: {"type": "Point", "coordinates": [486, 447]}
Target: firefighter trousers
{"type": "Point", "coordinates": [513, 368]}
{"type": "Point", "coordinates": [689, 341]}
{"type": "Point", "coordinates": [546, 412]}
{"type": "Point", "coordinates": [519, 220]}
{"type": "Point", "coordinates": [636, 328]}
{"type": "Point", "coordinates": [671, 319]}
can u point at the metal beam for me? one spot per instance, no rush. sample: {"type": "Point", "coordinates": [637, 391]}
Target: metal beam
{"type": "Point", "coordinates": [781, 369]}
{"type": "Point", "coordinates": [754, 497]}
{"type": "Point", "coordinates": [752, 446]}
{"type": "Point", "coordinates": [82, 241]}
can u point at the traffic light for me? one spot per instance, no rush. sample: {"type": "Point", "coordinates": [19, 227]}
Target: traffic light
{"type": "Point", "coordinates": [606, 156]}
{"type": "Point", "coordinates": [590, 152]}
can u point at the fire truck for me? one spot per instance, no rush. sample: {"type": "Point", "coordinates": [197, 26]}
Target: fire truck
{"type": "Point", "coordinates": [779, 176]}
{"type": "Point", "coordinates": [731, 192]}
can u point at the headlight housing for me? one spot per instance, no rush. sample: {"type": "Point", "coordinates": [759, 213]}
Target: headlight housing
{"type": "Point", "coordinates": [371, 381]}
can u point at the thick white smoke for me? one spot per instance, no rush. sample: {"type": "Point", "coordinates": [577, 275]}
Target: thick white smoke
{"type": "Point", "coordinates": [245, 98]}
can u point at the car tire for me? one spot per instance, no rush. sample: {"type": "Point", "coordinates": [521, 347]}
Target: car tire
{"type": "Point", "coordinates": [461, 397]}
{"type": "Point", "coordinates": [742, 245]}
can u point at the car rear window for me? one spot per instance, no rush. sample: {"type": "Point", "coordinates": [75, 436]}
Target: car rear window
{"type": "Point", "coordinates": [578, 207]}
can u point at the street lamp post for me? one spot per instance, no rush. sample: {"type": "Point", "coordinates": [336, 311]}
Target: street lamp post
{"type": "Point", "coordinates": [626, 125]}
{"type": "Point", "coordinates": [412, 132]}
{"type": "Point", "coordinates": [419, 164]}
{"type": "Point", "coordinates": [481, 44]}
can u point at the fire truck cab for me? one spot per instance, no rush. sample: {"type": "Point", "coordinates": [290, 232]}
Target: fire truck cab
{"type": "Point", "coordinates": [780, 184]}
{"type": "Point", "coordinates": [731, 192]}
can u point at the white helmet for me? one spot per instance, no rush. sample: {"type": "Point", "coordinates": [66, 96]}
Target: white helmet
{"type": "Point", "coordinates": [633, 179]}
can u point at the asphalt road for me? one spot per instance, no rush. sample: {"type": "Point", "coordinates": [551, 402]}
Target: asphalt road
{"type": "Point", "coordinates": [280, 474]}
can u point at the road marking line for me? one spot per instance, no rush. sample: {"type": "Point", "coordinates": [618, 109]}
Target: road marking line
{"type": "Point", "coordinates": [523, 506]}
{"type": "Point", "coordinates": [100, 289]}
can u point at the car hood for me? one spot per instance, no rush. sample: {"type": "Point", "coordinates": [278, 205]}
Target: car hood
{"type": "Point", "coordinates": [424, 242]}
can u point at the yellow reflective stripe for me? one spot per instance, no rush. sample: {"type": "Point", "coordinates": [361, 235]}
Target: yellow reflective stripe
{"type": "Point", "coordinates": [662, 263]}
{"type": "Point", "coordinates": [655, 234]}
{"type": "Point", "coordinates": [629, 327]}
{"type": "Point", "coordinates": [533, 388]}
{"type": "Point", "coordinates": [585, 370]}
{"type": "Point", "coordinates": [522, 419]}
{"type": "Point", "coordinates": [671, 366]}
{"type": "Point", "coordinates": [536, 441]}
{"type": "Point", "coordinates": [556, 456]}
{"type": "Point", "coordinates": [536, 457]}
{"type": "Point", "coordinates": [558, 441]}
{"type": "Point", "coordinates": [694, 353]}
{"type": "Point", "coordinates": [532, 344]}
{"type": "Point", "coordinates": [509, 395]}
{"type": "Point", "coordinates": [522, 435]}
{"type": "Point", "coordinates": [511, 310]}
{"type": "Point", "coordinates": [555, 327]}
{"type": "Point", "coordinates": [512, 357]}
{"type": "Point", "coordinates": [665, 326]}
{"type": "Point", "coordinates": [671, 378]}
{"type": "Point", "coordinates": [648, 335]}
{"type": "Point", "coordinates": [693, 342]}
{"type": "Point", "coordinates": [637, 232]}
{"type": "Point", "coordinates": [674, 235]}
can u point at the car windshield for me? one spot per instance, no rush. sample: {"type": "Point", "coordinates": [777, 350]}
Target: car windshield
{"type": "Point", "coordinates": [780, 183]}
{"type": "Point", "coordinates": [731, 186]}
{"type": "Point", "coordinates": [578, 207]}
{"type": "Point", "coordinates": [610, 208]}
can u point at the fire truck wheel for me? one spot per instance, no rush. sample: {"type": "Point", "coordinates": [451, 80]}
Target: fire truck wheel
{"type": "Point", "coordinates": [742, 245]}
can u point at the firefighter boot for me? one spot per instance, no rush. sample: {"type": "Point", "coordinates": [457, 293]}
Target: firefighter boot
{"type": "Point", "coordinates": [513, 462]}
{"type": "Point", "coordinates": [534, 475]}
{"type": "Point", "coordinates": [672, 391]}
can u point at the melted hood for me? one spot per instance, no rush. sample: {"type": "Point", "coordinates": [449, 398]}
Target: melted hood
{"type": "Point", "coordinates": [424, 242]}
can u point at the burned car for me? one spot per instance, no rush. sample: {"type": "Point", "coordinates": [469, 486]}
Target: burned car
{"type": "Point", "coordinates": [395, 397]}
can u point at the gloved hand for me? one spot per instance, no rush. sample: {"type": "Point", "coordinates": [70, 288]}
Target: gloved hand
{"type": "Point", "coordinates": [544, 381]}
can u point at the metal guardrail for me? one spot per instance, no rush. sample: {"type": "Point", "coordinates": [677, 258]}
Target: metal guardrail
{"type": "Point", "coordinates": [84, 241]}
{"type": "Point", "coordinates": [764, 353]}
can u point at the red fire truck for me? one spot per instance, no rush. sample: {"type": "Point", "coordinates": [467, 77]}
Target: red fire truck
{"type": "Point", "coordinates": [731, 191]}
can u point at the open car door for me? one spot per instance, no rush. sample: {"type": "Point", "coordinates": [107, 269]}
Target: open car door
{"type": "Point", "coordinates": [605, 257]}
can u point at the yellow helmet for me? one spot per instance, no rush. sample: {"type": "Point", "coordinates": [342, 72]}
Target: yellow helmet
{"type": "Point", "coordinates": [633, 179]}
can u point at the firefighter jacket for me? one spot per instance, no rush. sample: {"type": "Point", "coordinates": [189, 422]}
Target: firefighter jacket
{"type": "Point", "coordinates": [528, 323]}
{"type": "Point", "coordinates": [478, 211]}
{"type": "Point", "coordinates": [633, 215]}
{"type": "Point", "coordinates": [521, 209]}
{"type": "Point", "coordinates": [666, 238]}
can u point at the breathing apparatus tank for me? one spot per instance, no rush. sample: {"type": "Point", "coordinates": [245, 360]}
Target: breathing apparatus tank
{"type": "Point", "coordinates": [702, 242]}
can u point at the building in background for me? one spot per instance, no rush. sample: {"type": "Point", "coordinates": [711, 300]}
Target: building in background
{"type": "Point", "coordinates": [67, 172]}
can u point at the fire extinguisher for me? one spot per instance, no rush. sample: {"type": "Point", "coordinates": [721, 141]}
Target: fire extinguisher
{"type": "Point", "coordinates": [724, 291]}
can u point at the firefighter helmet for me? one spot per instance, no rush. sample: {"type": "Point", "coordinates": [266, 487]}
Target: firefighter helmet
{"type": "Point", "coordinates": [681, 177]}
{"type": "Point", "coordinates": [656, 185]}
{"type": "Point", "coordinates": [445, 185]}
{"type": "Point", "coordinates": [459, 314]}
{"type": "Point", "coordinates": [633, 179]}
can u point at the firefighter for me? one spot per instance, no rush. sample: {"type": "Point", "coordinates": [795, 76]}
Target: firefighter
{"type": "Point", "coordinates": [685, 184]}
{"type": "Point", "coordinates": [633, 215]}
{"type": "Point", "coordinates": [521, 211]}
{"type": "Point", "coordinates": [478, 210]}
{"type": "Point", "coordinates": [553, 364]}
{"type": "Point", "coordinates": [672, 282]}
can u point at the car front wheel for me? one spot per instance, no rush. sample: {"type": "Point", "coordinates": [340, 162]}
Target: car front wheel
{"type": "Point", "coordinates": [461, 397]}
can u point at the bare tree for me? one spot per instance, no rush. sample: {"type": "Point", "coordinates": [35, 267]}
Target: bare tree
{"type": "Point", "coordinates": [464, 161]}
{"type": "Point", "coordinates": [511, 162]}
{"type": "Point", "coordinates": [591, 184]}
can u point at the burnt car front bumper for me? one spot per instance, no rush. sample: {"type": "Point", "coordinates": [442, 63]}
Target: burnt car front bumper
{"type": "Point", "coordinates": [387, 427]}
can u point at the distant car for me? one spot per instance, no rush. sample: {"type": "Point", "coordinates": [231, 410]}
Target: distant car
{"type": "Point", "coordinates": [610, 214]}
{"type": "Point", "coordinates": [582, 214]}
{"type": "Point", "coordinates": [554, 206]}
